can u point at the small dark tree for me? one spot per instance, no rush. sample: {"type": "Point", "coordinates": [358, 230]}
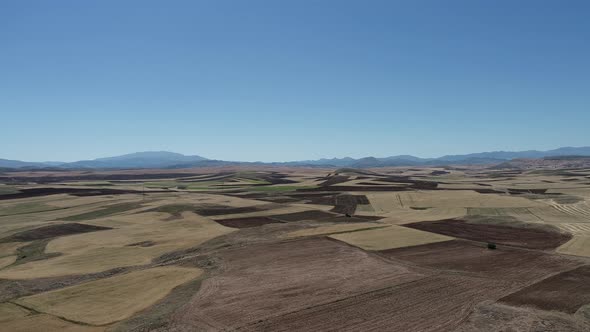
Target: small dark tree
{"type": "Point", "coordinates": [491, 246]}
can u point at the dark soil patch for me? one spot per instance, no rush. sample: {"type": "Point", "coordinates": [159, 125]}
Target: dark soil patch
{"type": "Point", "coordinates": [204, 209]}
{"type": "Point", "coordinates": [435, 173]}
{"type": "Point", "coordinates": [305, 215]}
{"type": "Point", "coordinates": [353, 219]}
{"type": "Point", "coordinates": [322, 200]}
{"type": "Point", "coordinates": [565, 292]}
{"type": "Point", "coordinates": [369, 217]}
{"type": "Point", "coordinates": [247, 222]}
{"type": "Point", "coordinates": [216, 210]}
{"type": "Point", "coordinates": [417, 184]}
{"type": "Point", "coordinates": [36, 192]}
{"type": "Point", "coordinates": [531, 238]}
{"type": "Point", "coordinates": [143, 244]}
{"type": "Point", "coordinates": [487, 191]}
{"type": "Point", "coordinates": [48, 232]}
{"type": "Point", "coordinates": [346, 204]}
{"type": "Point", "coordinates": [526, 191]}
{"type": "Point", "coordinates": [503, 263]}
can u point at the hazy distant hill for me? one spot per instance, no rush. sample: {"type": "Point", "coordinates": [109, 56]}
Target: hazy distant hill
{"type": "Point", "coordinates": [164, 159]}
{"type": "Point", "coordinates": [150, 159]}
{"type": "Point", "coordinates": [18, 164]}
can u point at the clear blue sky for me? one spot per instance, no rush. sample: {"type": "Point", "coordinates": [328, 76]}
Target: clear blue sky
{"type": "Point", "coordinates": [293, 79]}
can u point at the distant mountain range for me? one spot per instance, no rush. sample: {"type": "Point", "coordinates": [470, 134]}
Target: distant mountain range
{"type": "Point", "coordinates": [164, 159]}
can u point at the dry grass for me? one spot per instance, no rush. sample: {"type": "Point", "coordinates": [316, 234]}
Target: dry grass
{"type": "Point", "coordinates": [388, 202]}
{"type": "Point", "coordinates": [389, 238]}
{"type": "Point", "coordinates": [112, 299]}
{"type": "Point", "coordinates": [579, 245]}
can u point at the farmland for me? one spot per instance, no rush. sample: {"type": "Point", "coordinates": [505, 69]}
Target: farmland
{"type": "Point", "coordinates": [296, 249]}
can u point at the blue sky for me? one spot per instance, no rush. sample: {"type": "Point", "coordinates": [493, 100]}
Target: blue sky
{"type": "Point", "coordinates": [293, 79]}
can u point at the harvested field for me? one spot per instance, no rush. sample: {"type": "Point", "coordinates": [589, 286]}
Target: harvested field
{"type": "Point", "coordinates": [579, 245]}
{"type": "Point", "coordinates": [112, 299]}
{"type": "Point", "coordinates": [518, 265]}
{"type": "Point", "coordinates": [438, 303]}
{"type": "Point", "coordinates": [305, 215]}
{"type": "Point", "coordinates": [108, 249]}
{"type": "Point", "coordinates": [565, 292]}
{"type": "Point", "coordinates": [389, 238]}
{"type": "Point", "coordinates": [52, 231]}
{"type": "Point", "coordinates": [247, 222]}
{"type": "Point", "coordinates": [263, 281]}
{"type": "Point", "coordinates": [532, 238]}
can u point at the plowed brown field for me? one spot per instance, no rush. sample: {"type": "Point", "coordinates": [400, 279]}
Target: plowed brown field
{"type": "Point", "coordinates": [264, 281]}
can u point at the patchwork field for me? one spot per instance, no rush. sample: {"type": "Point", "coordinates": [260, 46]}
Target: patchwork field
{"type": "Point", "coordinates": [296, 249]}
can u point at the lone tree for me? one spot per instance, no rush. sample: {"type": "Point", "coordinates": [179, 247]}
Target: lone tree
{"type": "Point", "coordinates": [491, 246]}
